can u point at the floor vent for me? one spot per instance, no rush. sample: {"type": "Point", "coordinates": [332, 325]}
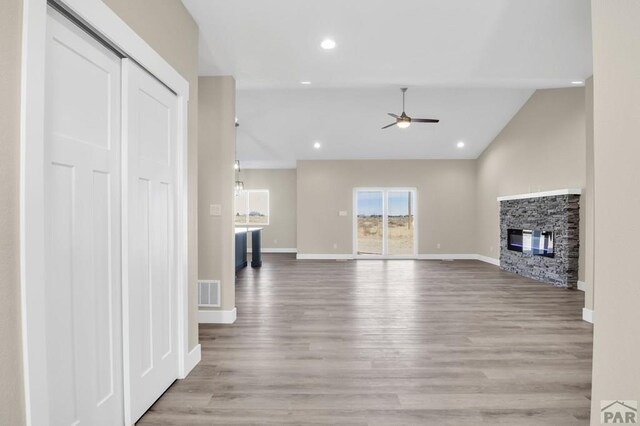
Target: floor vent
{"type": "Point", "coordinates": [209, 293]}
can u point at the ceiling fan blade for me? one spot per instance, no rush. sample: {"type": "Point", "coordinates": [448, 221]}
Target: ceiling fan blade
{"type": "Point", "coordinates": [392, 124]}
{"type": "Point", "coordinates": [424, 120]}
{"type": "Point", "coordinates": [393, 115]}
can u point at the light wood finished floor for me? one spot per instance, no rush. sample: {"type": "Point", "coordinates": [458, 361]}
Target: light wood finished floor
{"type": "Point", "coordinates": [389, 343]}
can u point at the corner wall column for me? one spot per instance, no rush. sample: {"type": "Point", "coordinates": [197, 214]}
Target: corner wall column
{"type": "Point", "coordinates": [216, 156]}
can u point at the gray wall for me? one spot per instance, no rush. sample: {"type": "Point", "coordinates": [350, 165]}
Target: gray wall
{"type": "Point", "coordinates": [542, 148]}
{"type": "Point", "coordinates": [616, 61]}
{"type": "Point", "coordinates": [11, 391]}
{"type": "Point", "coordinates": [446, 202]}
{"type": "Point", "coordinates": [216, 243]}
{"type": "Point", "coordinates": [282, 186]}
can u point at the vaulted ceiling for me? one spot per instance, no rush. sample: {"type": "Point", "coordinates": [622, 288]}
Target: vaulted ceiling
{"type": "Point", "coordinates": [470, 63]}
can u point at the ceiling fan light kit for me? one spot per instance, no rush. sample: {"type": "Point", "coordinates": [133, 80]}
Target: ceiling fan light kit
{"type": "Point", "coordinates": [403, 120]}
{"type": "Point", "coordinates": [403, 124]}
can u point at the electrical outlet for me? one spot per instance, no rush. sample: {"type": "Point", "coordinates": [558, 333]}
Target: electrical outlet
{"type": "Point", "coordinates": [491, 249]}
{"type": "Point", "coordinates": [335, 245]}
{"type": "Point", "coordinates": [342, 213]}
{"type": "Point", "coordinates": [438, 246]}
{"type": "Point", "coordinates": [275, 242]}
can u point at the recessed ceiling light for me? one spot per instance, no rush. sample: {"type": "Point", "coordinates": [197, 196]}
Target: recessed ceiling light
{"type": "Point", "coordinates": [577, 82]}
{"type": "Point", "coordinates": [460, 145]}
{"type": "Point", "coordinates": [317, 145]}
{"type": "Point", "coordinates": [328, 44]}
{"type": "Point", "coordinates": [306, 83]}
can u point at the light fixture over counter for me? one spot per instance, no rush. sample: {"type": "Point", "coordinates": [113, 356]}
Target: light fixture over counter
{"type": "Point", "coordinates": [239, 185]}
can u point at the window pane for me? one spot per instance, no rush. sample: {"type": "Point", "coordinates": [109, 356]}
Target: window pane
{"type": "Point", "coordinates": [400, 223]}
{"type": "Point", "coordinates": [259, 207]}
{"type": "Point", "coordinates": [370, 232]}
{"type": "Point", "coordinates": [241, 208]}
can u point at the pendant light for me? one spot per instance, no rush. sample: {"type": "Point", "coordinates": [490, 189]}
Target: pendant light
{"type": "Point", "coordinates": [239, 185]}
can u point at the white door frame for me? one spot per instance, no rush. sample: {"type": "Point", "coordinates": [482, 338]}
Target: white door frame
{"type": "Point", "coordinates": [100, 18]}
{"type": "Point", "coordinates": [385, 191]}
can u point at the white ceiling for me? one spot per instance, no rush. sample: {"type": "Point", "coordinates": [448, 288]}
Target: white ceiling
{"type": "Point", "coordinates": [436, 47]}
{"type": "Point", "coordinates": [278, 127]}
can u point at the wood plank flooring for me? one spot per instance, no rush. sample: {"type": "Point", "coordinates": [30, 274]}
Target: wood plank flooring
{"type": "Point", "coordinates": [389, 343]}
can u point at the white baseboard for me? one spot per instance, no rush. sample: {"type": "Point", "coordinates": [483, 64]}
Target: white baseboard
{"type": "Point", "coordinates": [192, 359]}
{"type": "Point", "coordinates": [217, 317]}
{"type": "Point", "coordinates": [301, 256]}
{"type": "Point", "coordinates": [479, 257]}
{"type": "Point", "coordinates": [587, 315]}
{"type": "Point", "coordinates": [582, 286]}
{"type": "Point", "coordinates": [275, 250]}
{"type": "Point", "coordinates": [487, 259]}
{"type": "Point", "coordinates": [438, 256]}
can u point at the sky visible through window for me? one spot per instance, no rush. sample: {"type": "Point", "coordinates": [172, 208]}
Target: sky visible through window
{"type": "Point", "coordinates": [370, 203]}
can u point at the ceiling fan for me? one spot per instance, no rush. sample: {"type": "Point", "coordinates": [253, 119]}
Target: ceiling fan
{"type": "Point", "coordinates": [403, 120]}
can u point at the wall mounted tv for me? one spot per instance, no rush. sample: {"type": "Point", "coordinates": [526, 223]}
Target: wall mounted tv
{"type": "Point", "coordinates": [531, 241]}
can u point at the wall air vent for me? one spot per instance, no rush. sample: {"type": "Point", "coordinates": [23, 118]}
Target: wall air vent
{"type": "Point", "coordinates": [209, 293]}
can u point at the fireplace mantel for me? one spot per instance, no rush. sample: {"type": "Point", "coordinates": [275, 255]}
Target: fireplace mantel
{"type": "Point", "coordinates": [555, 193]}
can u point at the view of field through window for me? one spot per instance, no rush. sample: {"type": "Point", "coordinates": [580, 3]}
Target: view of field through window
{"type": "Point", "coordinates": [252, 207]}
{"type": "Point", "coordinates": [400, 222]}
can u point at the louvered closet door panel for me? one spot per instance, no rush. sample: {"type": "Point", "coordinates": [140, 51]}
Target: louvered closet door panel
{"type": "Point", "coordinates": [151, 137]}
{"type": "Point", "coordinates": [82, 182]}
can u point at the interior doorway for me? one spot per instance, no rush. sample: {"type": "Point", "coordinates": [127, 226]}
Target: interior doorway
{"type": "Point", "coordinates": [385, 223]}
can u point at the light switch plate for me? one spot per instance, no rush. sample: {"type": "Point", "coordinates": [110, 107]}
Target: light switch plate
{"type": "Point", "coordinates": [342, 213]}
{"type": "Point", "coordinates": [215, 210]}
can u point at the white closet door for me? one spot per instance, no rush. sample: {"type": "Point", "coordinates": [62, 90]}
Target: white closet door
{"type": "Point", "coordinates": [150, 160]}
{"type": "Point", "coordinates": [82, 187]}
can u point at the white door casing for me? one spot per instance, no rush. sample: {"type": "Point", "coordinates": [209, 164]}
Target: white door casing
{"type": "Point", "coordinates": [82, 228]}
{"type": "Point", "coordinates": [151, 132]}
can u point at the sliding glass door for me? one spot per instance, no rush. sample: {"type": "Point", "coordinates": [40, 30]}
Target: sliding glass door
{"type": "Point", "coordinates": [385, 222]}
{"type": "Point", "coordinates": [370, 222]}
{"type": "Point", "coordinates": [400, 226]}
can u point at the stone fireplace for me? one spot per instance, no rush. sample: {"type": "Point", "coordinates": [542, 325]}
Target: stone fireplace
{"type": "Point", "coordinates": [539, 236]}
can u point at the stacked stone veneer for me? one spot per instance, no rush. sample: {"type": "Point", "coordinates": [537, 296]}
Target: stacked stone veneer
{"type": "Point", "coordinates": [560, 214]}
